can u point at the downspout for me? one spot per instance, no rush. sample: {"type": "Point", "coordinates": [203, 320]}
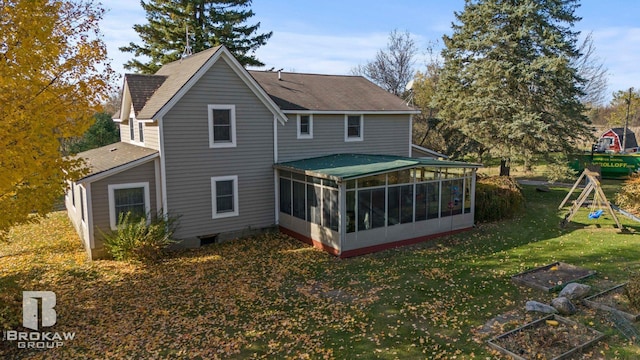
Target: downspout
{"type": "Point", "coordinates": [276, 188]}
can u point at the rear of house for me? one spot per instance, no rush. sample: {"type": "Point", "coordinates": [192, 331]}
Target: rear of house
{"type": "Point", "coordinates": [325, 158]}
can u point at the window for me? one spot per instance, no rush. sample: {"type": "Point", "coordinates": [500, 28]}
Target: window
{"type": "Point", "coordinates": [330, 209]}
{"type": "Point", "coordinates": [224, 196]}
{"type": "Point", "coordinates": [299, 206]}
{"type": "Point", "coordinates": [73, 195]}
{"type": "Point", "coordinates": [82, 204]}
{"type": "Point", "coordinates": [285, 195]}
{"type": "Point", "coordinates": [222, 126]}
{"type": "Point", "coordinates": [371, 209]}
{"type": "Point", "coordinates": [131, 129]}
{"type": "Point", "coordinates": [353, 129]}
{"type": "Point", "coordinates": [400, 205]}
{"type": "Point", "coordinates": [313, 203]}
{"type": "Point", "coordinates": [305, 127]}
{"type": "Point", "coordinates": [124, 198]}
{"type": "Point", "coordinates": [141, 132]}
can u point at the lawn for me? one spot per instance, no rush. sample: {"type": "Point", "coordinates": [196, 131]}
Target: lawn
{"type": "Point", "coordinates": [273, 297]}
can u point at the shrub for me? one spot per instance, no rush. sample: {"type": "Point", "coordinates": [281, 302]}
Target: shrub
{"type": "Point", "coordinates": [632, 290]}
{"type": "Point", "coordinates": [629, 196]}
{"type": "Point", "coordinates": [136, 240]}
{"type": "Point", "coordinates": [497, 198]}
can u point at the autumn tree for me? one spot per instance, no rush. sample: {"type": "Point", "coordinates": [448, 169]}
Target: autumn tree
{"type": "Point", "coordinates": [393, 66]}
{"type": "Point", "coordinates": [508, 81]}
{"type": "Point", "coordinates": [209, 22]}
{"type": "Point", "coordinates": [53, 74]}
{"type": "Point", "coordinates": [624, 102]}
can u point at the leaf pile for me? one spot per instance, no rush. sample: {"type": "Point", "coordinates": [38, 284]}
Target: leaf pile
{"type": "Point", "coordinates": [273, 297]}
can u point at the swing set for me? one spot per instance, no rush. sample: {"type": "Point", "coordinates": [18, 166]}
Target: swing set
{"type": "Point", "coordinates": [599, 205]}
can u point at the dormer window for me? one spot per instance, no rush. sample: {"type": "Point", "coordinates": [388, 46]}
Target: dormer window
{"type": "Point", "coordinates": [141, 131]}
{"type": "Point", "coordinates": [305, 126]}
{"type": "Point", "coordinates": [132, 130]}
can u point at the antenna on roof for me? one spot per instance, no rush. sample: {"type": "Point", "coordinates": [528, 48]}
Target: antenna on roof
{"type": "Point", "coordinates": [409, 90]}
{"type": "Point", "coordinates": [187, 49]}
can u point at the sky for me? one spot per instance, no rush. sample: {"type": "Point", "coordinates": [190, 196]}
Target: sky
{"type": "Point", "coordinates": [333, 37]}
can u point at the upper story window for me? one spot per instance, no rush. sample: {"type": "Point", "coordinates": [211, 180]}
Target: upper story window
{"type": "Point", "coordinates": [222, 126]}
{"type": "Point", "coordinates": [353, 128]}
{"type": "Point", "coordinates": [131, 129]}
{"type": "Point", "coordinates": [305, 126]}
{"type": "Point", "coordinates": [141, 131]}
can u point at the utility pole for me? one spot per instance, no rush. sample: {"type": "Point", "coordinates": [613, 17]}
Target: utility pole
{"type": "Point", "coordinates": [626, 122]}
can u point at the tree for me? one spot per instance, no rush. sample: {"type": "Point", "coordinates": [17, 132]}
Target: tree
{"type": "Point", "coordinates": [623, 102]}
{"type": "Point", "coordinates": [508, 81]}
{"type": "Point", "coordinates": [592, 71]}
{"type": "Point", "coordinates": [53, 74]}
{"type": "Point", "coordinates": [393, 67]}
{"type": "Point", "coordinates": [429, 129]}
{"type": "Point", "coordinates": [102, 132]}
{"type": "Point", "coordinates": [209, 22]}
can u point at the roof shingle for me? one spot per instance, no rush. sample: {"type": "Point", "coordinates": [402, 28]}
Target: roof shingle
{"type": "Point", "coordinates": [315, 92]}
{"type": "Point", "coordinates": [112, 156]}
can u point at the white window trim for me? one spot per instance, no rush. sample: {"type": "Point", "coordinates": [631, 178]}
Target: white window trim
{"type": "Point", "coordinates": [214, 204]}
{"type": "Point", "coordinates": [232, 109]}
{"type": "Point", "coordinates": [348, 138]}
{"type": "Point", "coordinates": [112, 201]}
{"type": "Point", "coordinates": [132, 130]}
{"type": "Point", "coordinates": [310, 134]}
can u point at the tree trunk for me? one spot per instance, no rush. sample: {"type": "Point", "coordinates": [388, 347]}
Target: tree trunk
{"type": "Point", "coordinates": [505, 167]}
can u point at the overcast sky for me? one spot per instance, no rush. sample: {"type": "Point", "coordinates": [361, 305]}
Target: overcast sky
{"type": "Point", "coordinates": [332, 37]}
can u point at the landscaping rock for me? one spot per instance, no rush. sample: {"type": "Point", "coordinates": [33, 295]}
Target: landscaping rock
{"type": "Point", "coordinates": [563, 305]}
{"type": "Point", "coordinates": [575, 291]}
{"type": "Point", "coordinates": [540, 307]}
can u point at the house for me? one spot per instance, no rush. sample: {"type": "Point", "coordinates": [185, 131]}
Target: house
{"type": "Point", "coordinates": [611, 141]}
{"type": "Point", "coordinates": [325, 158]}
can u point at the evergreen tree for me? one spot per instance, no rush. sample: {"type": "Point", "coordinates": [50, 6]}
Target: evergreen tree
{"type": "Point", "coordinates": [508, 81]}
{"type": "Point", "coordinates": [102, 132]}
{"type": "Point", "coordinates": [209, 22]}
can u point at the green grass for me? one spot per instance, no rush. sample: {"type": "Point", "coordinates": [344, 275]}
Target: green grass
{"type": "Point", "coordinates": [273, 297]}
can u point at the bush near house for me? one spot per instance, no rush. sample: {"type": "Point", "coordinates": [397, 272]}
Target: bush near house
{"type": "Point", "coordinates": [136, 240]}
{"type": "Point", "coordinates": [497, 198]}
{"type": "Point", "coordinates": [628, 197]}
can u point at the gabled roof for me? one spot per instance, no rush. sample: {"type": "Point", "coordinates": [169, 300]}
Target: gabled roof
{"type": "Point", "coordinates": [631, 141]}
{"type": "Point", "coordinates": [350, 166]}
{"type": "Point", "coordinates": [176, 75]}
{"type": "Point", "coordinates": [163, 89]}
{"type": "Point", "coordinates": [141, 88]}
{"type": "Point", "coordinates": [326, 93]}
{"type": "Point", "coordinates": [120, 156]}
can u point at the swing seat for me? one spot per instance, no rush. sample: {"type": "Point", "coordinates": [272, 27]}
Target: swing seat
{"type": "Point", "coordinates": [596, 214]}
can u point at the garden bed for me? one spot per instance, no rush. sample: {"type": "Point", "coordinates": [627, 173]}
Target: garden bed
{"type": "Point", "coordinates": [552, 277]}
{"type": "Point", "coordinates": [614, 299]}
{"type": "Point", "coordinates": [552, 337]}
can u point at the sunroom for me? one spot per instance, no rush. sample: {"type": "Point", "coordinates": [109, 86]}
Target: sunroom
{"type": "Point", "coordinates": [352, 204]}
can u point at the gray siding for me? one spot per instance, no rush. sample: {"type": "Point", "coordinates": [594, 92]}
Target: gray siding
{"type": "Point", "coordinates": [190, 163]}
{"type": "Point", "coordinates": [383, 134]}
{"type": "Point", "coordinates": [100, 196]}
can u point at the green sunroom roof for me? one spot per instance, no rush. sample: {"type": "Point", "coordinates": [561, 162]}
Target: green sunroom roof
{"type": "Point", "coordinates": [349, 166]}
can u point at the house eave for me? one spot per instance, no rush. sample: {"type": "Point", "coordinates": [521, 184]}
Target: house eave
{"type": "Point", "coordinates": [354, 112]}
{"type": "Point", "coordinates": [116, 169]}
